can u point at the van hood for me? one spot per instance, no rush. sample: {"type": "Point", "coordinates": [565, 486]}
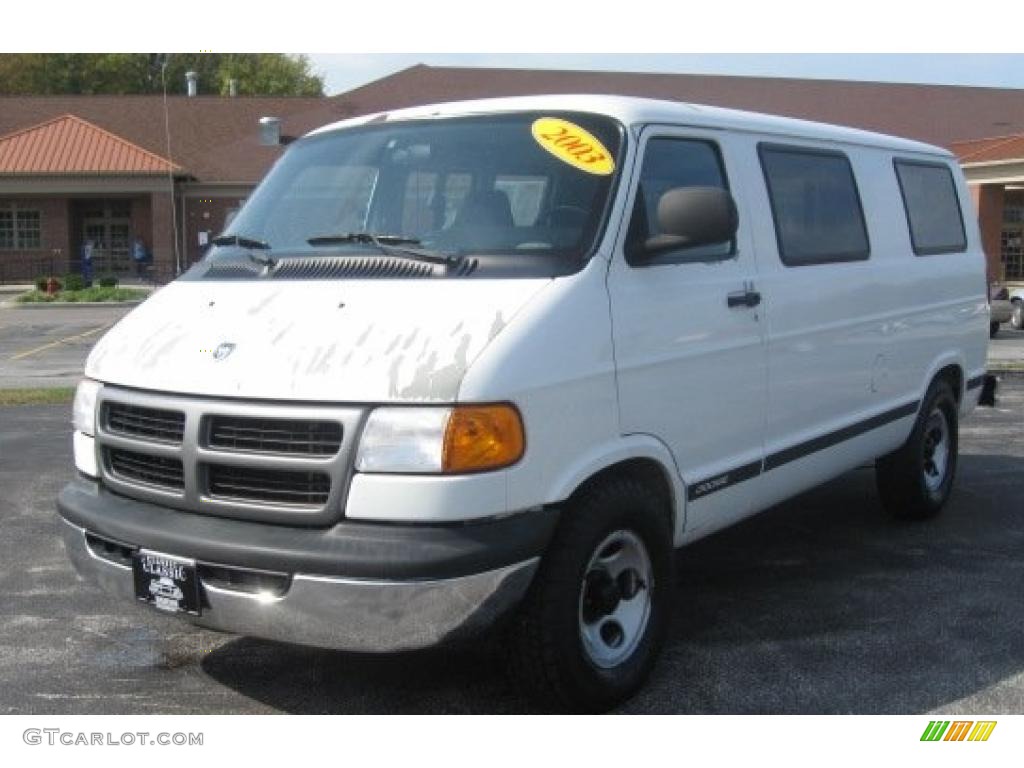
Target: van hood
{"type": "Point", "coordinates": [353, 341]}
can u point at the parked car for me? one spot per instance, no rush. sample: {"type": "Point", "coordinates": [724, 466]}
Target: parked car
{"type": "Point", "coordinates": [484, 366]}
{"type": "Point", "coordinates": [1000, 308]}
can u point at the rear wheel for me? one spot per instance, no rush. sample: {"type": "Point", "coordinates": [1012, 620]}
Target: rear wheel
{"type": "Point", "coordinates": [993, 329]}
{"type": "Point", "coordinates": [594, 620]}
{"type": "Point", "coordinates": [915, 481]}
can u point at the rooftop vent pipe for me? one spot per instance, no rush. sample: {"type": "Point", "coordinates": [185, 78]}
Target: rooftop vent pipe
{"type": "Point", "coordinates": [270, 131]}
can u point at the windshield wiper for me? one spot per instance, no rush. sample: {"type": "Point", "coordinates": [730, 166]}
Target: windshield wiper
{"type": "Point", "coordinates": [242, 242]}
{"type": "Point", "coordinates": [251, 244]}
{"type": "Point", "coordinates": [391, 245]}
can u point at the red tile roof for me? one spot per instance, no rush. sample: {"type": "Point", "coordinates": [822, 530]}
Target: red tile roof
{"type": "Point", "coordinates": [213, 138]}
{"type": "Point", "coordinates": [990, 150]}
{"type": "Point", "coordinates": [70, 145]}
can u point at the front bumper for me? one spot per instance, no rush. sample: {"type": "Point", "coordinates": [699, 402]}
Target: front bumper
{"type": "Point", "coordinates": [450, 593]}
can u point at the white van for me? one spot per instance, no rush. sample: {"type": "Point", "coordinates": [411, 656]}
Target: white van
{"type": "Point", "coordinates": [488, 364]}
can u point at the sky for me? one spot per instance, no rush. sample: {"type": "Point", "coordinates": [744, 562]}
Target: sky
{"type": "Point", "coordinates": [343, 72]}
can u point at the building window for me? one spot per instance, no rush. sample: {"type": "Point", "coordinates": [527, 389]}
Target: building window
{"type": "Point", "coordinates": [20, 229]}
{"type": "Point", "coordinates": [1012, 247]}
{"type": "Point", "coordinates": [815, 204]}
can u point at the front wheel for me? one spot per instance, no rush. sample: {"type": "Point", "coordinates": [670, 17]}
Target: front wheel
{"type": "Point", "coordinates": [915, 481]}
{"type": "Point", "coordinates": [596, 614]}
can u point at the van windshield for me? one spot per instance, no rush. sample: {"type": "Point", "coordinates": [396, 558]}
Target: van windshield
{"type": "Point", "coordinates": [525, 186]}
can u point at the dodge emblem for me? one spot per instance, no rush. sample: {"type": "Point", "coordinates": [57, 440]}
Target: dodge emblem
{"type": "Point", "coordinates": [223, 350]}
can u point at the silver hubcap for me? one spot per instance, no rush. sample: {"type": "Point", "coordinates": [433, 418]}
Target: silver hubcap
{"type": "Point", "coordinates": [615, 599]}
{"type": "Point", "coordinates": [936, 449]}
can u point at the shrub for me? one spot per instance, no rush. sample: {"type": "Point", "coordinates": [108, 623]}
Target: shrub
{"type": "Point", "coordinates": [42, 281]}
{"type": "Point", "coordinates": [108, 281]}
{"type": "Point", "coordinates": [73, 282]}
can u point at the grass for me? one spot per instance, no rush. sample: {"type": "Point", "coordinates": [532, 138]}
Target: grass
{"type": "Point", "coordinates": [94, 294]}
{"type": "Point", "coordinates": [58, 396]}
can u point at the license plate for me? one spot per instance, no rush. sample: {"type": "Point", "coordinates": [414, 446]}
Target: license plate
{"type": "Point", "coordinates": [169, 583]}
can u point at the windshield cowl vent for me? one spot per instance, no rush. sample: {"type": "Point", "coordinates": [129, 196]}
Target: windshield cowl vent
{"type": "Point", "coordinates": [232, 269]}
{"type": "Point", "coordinates": [466, 267]}
{"type": "Point", "coordinates": [327, 268]}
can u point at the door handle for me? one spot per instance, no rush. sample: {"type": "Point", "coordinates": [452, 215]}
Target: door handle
{"type": "Point", "coordinates": [746, 298]}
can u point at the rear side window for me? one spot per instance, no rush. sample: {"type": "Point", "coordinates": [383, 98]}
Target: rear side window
{"type": "Point", "coordinates": [815, 204]}
{"type": "Point", "coordinates": [932, 206]}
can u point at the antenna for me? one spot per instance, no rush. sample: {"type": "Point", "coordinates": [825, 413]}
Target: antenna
{"type": "Point", "coordinates": [170, 171]}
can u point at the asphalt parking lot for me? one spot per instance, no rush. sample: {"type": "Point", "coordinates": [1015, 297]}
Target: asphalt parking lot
{"type": "Point", "coordinates": [47, 346]}
{"type": "Point", "coordinates": [821, 605]}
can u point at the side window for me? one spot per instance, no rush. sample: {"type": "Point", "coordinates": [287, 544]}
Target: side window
{"type": "Point", "coordinates": [671, 163]}
{"type": "Point", "coordinates": [815, 204]}
{"type": "Point", "coordinates": [933, 209]}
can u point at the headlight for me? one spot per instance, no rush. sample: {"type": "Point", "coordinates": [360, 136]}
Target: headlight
{"type": "Point", "coordinates": [84, 411]}
{"type": "Point", "coordinates": [452, 440]}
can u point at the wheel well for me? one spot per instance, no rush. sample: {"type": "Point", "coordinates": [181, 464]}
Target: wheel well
{"type": "Point", "coordinates": [648, 471]}
{"type": "Point", "coordinates": [955, 377]}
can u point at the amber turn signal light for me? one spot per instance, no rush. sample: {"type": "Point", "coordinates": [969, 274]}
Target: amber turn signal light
{"type": "Point", "coordinates": [480, 437]}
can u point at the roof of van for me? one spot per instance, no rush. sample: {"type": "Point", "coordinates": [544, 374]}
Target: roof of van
{"type": "Point", "coordinates": [639, 111]}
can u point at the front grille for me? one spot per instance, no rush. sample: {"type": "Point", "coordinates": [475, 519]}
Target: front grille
{"type": "Point", "coordinates": [268, 486]}
{"type": "Point", "coordinates": [282, 436]}
{"type": "Point", "coordinates": [143, 468]}
{"type": "Point", "coordinates": [268, 461]}
{"type": "Point", "coordinates": [146, 423]}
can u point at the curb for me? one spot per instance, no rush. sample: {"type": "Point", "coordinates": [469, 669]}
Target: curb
{"type": "Point", "coordinates": [69, 304]}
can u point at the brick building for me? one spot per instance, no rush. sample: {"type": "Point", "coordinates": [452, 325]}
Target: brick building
{"type": "Point", "coordinates": [99, 168]}
{"type": "Point", "coordinates": [102, 169]}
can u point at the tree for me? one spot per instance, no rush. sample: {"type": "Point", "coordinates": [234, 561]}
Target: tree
{"type": "Point", "coordinates": [257, 74]}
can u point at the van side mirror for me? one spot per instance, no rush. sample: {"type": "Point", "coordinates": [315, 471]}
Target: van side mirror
{"type": "Point", "coordinates": [692, 216]}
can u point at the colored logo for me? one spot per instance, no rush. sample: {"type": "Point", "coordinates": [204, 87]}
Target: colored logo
{"type": "Point", "coordinates": [958, 730]}
{"type": "Point", "coordinates": [223, 350]}
{"type": "Point", "coordinates": [573, 145]}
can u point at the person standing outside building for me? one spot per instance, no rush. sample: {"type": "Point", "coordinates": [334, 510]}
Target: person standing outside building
{"type": "Point", "coordinates": [87, 249]}
{"type": "Point", "coordinates": [140, 255]}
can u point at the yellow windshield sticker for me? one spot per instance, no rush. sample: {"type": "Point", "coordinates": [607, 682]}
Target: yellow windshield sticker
{"type": "Point", "coordinates": [573, 145]}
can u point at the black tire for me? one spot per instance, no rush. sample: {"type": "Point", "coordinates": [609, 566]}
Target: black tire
{"type": "Point", "coordinates": [908, 481]}
{"type": "Point", "coordinates": [993, 329]}
{"type": "Point", "coordinates": [544, 647]}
